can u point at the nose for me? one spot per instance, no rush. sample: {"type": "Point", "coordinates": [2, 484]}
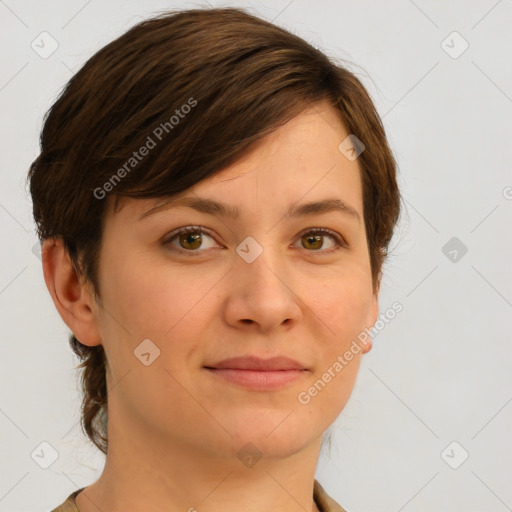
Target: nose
{"type": "Point", "coordinates": [261, 294]}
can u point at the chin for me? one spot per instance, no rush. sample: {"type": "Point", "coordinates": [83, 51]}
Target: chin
{"type": "Point", "coordinates": [280, 434]}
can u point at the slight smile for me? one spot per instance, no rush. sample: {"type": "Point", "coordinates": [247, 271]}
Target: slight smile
{"type": "Point", "coordinates": [258, 374]}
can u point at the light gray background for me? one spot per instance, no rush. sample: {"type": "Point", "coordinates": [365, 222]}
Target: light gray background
{"type": "Point", "coordinates": [439, 372]}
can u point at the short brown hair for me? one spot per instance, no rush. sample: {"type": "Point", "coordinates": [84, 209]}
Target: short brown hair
{"type": "Point", "coordinates": [240, 78]}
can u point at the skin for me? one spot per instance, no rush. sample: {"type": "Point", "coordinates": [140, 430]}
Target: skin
{"type": "Point", "coordinates": [174, 429]}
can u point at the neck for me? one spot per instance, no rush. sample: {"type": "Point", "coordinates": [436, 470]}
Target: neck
{"type": "Point", "coordinates": [146, 472]}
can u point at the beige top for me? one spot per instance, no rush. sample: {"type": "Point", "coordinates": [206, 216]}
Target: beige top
{"type": "Point", "coordinates": [323, 501]}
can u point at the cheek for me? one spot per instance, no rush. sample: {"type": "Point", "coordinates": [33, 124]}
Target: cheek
{"type": "Point", "coordinates": [342, 305]}
{"type": "Point", "coordinates": [334, 397]}
{"type": "Point", "coordinates": [329, 389]}
{"type": "Point", "coordinates": [147, 296]}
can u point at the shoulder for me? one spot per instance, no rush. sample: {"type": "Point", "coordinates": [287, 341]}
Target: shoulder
{"type": "Point", "coordinates": [323, 501]}
{"type": "Point", "coordinates": [69, 505]}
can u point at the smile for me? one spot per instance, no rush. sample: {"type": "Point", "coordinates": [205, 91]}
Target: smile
{"type": "Point", "coordinates": [259, 380]}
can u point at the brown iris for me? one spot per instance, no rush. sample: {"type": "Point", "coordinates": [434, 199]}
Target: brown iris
{"type": "Point", "coordinates": [316, 238]}
{"type": "Point", "coordinates": [193, 238]}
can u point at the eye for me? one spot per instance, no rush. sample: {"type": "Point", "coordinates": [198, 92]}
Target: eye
{"type": "Point", "coordinates": [313, 237]}
{"type": "Point", "coordinates": [191, 238]}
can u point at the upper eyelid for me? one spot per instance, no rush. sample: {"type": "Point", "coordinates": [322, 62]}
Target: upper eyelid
{"type": "Point", "coordinates": [191, 228]}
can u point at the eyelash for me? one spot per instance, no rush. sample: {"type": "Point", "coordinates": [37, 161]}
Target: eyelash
{"type": "Point", "coordinates": [340, 242]}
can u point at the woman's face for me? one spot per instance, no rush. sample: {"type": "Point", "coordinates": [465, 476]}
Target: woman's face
{"type": "Point", "coordinates": [263, 284]}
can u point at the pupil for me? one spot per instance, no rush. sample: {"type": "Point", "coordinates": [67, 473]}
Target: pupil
{"type": "Point", "coordinates": [190, 238]}
{"type": "Point", "coordinates": [313, 239]}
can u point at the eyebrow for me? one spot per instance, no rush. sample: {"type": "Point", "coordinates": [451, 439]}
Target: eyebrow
{"type": "Point", "coordinates": [211, 207]}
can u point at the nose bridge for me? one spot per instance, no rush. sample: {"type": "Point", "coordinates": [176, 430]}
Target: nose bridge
{"type": "Point", "coordinates": [263, 292]}
{"type": "Point", "coordinates": [260, 262]}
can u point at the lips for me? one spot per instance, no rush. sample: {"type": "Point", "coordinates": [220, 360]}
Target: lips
{"type": "Point", "coordinates": [258, 374]}
{"type": "Point", "coordinates": [258, 364]}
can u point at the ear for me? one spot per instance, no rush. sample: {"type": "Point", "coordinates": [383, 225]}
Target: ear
{"type": "Point", "coordinates": [373, 314]}
{"type": "Point", "coordinates": [73, 299]}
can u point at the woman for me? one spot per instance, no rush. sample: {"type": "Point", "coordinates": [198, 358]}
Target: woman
{"type": "Point", "coordinates": [215, 199]}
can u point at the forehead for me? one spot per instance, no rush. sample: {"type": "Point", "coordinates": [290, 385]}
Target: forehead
{"type": "Point", "coordinates": [300, 158]}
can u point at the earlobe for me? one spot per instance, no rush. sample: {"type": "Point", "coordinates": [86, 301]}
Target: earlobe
{"type": "Point", "coordinates": [72, 298]}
